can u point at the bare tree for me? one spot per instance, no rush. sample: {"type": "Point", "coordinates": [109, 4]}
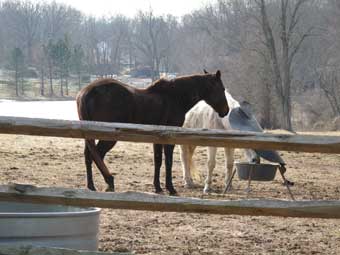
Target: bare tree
{"type": "Point", "coordinates": [91, 33]}
{"type": "Point", "coordinates": [22, 19]}
{"type": "Point", "coordinates": [17, 63]}
{"type": "Point", "coordinates": [151, 38]}
{"type": "Point", "coordinates": [60, 20]}
{"type": "Point", "coordinates": [119, 35]}
{"type": "Point", "coordinates": [48, 51]}
{"type": "Point", "coordinates": [330, 84]}
{"type": "Point", "coordinates": [98, 45]}
{"type": "Point", "coordinates": [327, 68]}
{"type": "Point", "coordinates": [78, 62]}
{"type": "Point", "coordinates": [224, 22]}
{"type": "Point", "coordinates": [41, 64]}
{"type": "Point", "coordinates": [194, 50]}
{"type": "Point", "coordinates": [282, 50]}
{"type": "Point", "coordinates": [259, 45]}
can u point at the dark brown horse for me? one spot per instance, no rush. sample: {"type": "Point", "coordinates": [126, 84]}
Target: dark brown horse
{"type": "Point", "coordinates": [165, 102]}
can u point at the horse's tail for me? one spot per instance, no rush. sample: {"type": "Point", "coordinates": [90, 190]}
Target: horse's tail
{"type": "Point", "coordinates": [83, 114]}
{"type": "Point", "coordinates": [81, 105]}
{"type": "Point", "coordinates": [90, 143]}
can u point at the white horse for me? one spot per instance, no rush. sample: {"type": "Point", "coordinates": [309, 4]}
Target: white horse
{"type": "Point", "coordinates": [203, 116]}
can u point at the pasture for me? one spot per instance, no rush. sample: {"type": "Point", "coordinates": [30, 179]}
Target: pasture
{"type": "Point", "coordinates": [59, 162]}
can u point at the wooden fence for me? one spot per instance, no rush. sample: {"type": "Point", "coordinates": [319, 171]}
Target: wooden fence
{"type": "Point", "coordinates": [152, 202]}
{"type": "Point", "coordinates": [168, 135]}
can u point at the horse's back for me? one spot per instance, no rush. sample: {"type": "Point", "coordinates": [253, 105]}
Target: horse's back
{"type": "Point", "coordinates": [113, 101]}
{"type": "Point", "coordinates": [105, 100]}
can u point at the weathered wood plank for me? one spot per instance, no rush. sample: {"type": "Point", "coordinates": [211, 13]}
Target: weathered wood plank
{"type": "Point", "coordinates": [31, 250]}
{"type": "Point", "coordinates": [168, 135]}
{"type": "Point", "coordinates": [153, 202]}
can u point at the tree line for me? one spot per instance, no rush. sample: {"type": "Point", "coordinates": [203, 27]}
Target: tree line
{"type": "Point", "coordinates": [272, 53]}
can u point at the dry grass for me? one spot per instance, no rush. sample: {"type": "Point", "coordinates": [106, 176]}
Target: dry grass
{"type": "Point", "coordinates": [59, 162]}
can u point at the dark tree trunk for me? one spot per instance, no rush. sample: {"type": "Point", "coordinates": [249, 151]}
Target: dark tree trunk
{"type": "Point", "coordinates": [282, 74]}
{"type": "Point", "coordinates": [17, 82]}
{"type": "Point", "coordinates": [51, 79]}
{"type": "Point", "coordinates": [42, 82]}
{"type": "Point", "coordinates": [61, 86]}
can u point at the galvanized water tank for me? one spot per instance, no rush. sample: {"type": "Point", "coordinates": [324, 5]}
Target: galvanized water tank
{"type": "Point", "coordinates": [49, 225]}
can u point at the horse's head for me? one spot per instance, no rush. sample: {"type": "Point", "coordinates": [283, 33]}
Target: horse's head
{"type": "Point", "coordinates": [252, 156]}
{"type": "Point", "coordinates": [214, 95]}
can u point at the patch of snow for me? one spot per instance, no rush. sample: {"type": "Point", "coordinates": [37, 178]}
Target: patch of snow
{"type": "Point", "coordinates": [66, 110]}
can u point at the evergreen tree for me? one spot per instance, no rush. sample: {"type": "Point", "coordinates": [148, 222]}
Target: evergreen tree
{"type": "Point", "coordinates": [17, 64]}
{"type": "Point", "coordinates": [77, 62]}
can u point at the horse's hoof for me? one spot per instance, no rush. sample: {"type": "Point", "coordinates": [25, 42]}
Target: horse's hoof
{"type": "Point", "coordinates": [229, 189]}
{"type": "Point", "coordinates": [173, 193]}
{"type": "Point", "coordinates": [110, 189]}
{"type": "Point", "coordinates": [207, 190]}
{"type": "Point", "coordinates": [289, 183]}
{"type": "Point", "coordinates": [248, 190]}
{"type": "Point", "coordinates": [159, 191]}
{"type": "Point", "coordinates": [92, 188]}
{"type": "Point", "coordinates": [191, 185]}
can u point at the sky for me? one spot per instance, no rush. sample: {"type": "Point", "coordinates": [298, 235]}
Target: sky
{"type": "Point", "coordinates": [129, 8]}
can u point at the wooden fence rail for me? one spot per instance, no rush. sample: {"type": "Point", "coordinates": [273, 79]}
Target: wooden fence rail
{"type": "Point", "coordinates": [153, 202]}
{"type": "Point", "coordinates": [168, 135]}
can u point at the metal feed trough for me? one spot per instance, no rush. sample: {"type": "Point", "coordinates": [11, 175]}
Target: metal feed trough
{"type": "Point", "coordinates": [258, 172]}
{"type": "Point", "coordinates": [49, 225]}
{"type": "Point", "coordinates": [241, 118]}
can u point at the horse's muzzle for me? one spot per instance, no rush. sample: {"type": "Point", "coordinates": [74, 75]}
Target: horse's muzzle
{"type": "Point", "coordinates": [224, 113]}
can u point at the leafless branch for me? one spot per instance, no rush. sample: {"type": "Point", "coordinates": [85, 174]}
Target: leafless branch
{"type": "Point", "coordinates": [298, 45]}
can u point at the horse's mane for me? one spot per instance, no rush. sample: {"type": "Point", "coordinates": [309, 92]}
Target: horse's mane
{"type": "Point", "coordinates": [177, 84]}
{"type": "Point", "coordinates": [159, 85]}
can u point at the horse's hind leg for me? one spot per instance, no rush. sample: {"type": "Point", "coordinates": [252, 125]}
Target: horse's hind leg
{"type": "Point", "coordinates": [229, 164]}
{"type": "Point", "coordinates": [168, 151]}
{"type": "Point", "coordinates": [157, 156]}
{"type": "Point", "coordinates": [186, 158]}
{"type": "Point", "coordinates": [88, 163]}
{"type": "Point", "coordinates": [211, 166]}
{"type": "Point", "coordinates": [103, 147]}
{"type": "Point", "coordinates": [92, 148]}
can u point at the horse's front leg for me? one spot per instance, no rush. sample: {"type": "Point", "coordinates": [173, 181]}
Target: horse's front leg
{"type": "Point", "coordinates": [168, 151]}
{"type": "Point", "coordinates": [211, 166]}
{"type": "Point", "coordinates": [157, 156]}
{"type": "Point", "coordinates": [229, 164]}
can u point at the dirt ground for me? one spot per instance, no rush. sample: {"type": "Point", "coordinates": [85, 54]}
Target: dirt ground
{"type": "Point", "coordinates": [59, 162]}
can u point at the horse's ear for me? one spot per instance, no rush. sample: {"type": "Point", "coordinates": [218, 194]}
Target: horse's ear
{"type": "Point", "coordinates": [205, 71]}
{"type": "Point", "coordinates": [218, 74]}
